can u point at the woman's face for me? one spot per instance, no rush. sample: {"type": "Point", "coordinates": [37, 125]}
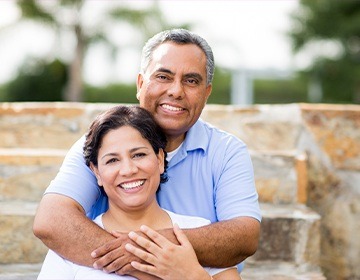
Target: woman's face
{"type": "Point", "coordinates": [128, 169]}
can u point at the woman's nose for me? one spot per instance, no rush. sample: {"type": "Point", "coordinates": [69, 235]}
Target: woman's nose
{"type": "Point", "coordinates": [128, 167]}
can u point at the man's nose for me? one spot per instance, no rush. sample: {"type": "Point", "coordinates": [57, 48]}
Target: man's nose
{"type": "Point", "coordinates": [176, 90]}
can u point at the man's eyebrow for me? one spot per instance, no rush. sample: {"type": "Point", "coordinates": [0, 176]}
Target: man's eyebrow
{"type": "Point", "coordinates": [194, 75]}
{"type": "Point", "coordinates": [165, 70]}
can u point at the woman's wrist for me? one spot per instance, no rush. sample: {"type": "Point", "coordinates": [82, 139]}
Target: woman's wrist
{"type": "Point", "coordinates": [200, 274]}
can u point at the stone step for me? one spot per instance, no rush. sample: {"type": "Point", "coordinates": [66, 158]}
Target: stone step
{"type": "Point", "coordinates": [18, 244]}
{"type": "Point", "coordinates": [289, 233]}
{"type": "Point", "coordinates": [274, 270]}
{"type": "Point", "coordinates": [267, 271]}
{"type": "Point", "coordinates": [25, 271]}
{"type": "Point", "coordinates": [45, 125]}
{"type": "Point", "coordinates": [25, 173]}
{"type": "Point", "coordinates": [59, 124]}
{"type": "Point", "coordinates": [281, 176]}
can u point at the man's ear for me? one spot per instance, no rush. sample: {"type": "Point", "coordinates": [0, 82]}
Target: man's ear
{"type": "Point", "coordinates": [139, 83]}
{"type": "Point", "coordinates": [96, 172]}
{"type": "Point", "coordinates": [208, 91]}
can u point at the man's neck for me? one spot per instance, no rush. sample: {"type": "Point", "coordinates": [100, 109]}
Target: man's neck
{"type": "Point", "coordinates": [173, 142]}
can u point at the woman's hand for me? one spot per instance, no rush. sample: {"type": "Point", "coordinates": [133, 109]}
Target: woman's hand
{"type": "Point", "coordinates": [165, 259]}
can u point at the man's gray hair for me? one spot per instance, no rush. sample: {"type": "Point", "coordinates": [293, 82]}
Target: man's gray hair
{"type": "Point", "coordinates": [181, 37]}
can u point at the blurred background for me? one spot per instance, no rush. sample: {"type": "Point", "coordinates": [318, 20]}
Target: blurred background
{"type": "Point", "coordinates": [266, 51]}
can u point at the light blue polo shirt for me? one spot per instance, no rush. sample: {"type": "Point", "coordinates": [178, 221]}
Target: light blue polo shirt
{"type": "Point", "coordinates": [211, 176]}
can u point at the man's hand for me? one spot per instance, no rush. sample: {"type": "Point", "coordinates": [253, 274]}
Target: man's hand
{"type": "Point", "coordinates": [112, 257]}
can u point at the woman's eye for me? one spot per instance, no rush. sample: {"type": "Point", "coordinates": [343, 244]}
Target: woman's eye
{"type": "Point", "coordinates": [112, 160]}
{"type": "Point", "coordinates": [139, 155]}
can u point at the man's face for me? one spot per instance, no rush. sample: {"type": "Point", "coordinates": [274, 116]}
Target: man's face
{"type": "Point", "coordinates": [173, 88]}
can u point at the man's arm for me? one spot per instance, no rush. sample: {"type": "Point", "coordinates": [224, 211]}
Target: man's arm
{"type": "Point", "coordinates": [62, 225]}
{"type": "Point", "coordinates": [220, 244]}
{"type": "Point", "coordinates": [225, 243]}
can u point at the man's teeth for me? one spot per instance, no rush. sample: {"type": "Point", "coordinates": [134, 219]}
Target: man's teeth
{"type": "Point", "coordinates": [171, 108]}
{"type": "Point", "coordinates": [132, 185]}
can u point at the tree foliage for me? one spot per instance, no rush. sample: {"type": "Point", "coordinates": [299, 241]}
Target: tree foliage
{"type": "Point", "coordinates": [338, 22]}
{"type": "Point", "coordinates": [67, 16]}
{"type": "Point", "coordinates": [38, 81]}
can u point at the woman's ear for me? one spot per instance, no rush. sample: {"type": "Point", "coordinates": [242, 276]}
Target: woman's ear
{"type": "Point", "coordinates": [96, 172]}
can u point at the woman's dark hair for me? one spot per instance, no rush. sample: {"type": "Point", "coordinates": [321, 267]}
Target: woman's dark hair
{"type": "Point", "coordinates": [118, 116]}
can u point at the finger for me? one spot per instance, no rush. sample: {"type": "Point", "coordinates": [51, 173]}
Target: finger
{"type": "Point", "coordinates": [181, 236]}
{"type": "Point", "coordinates": [158, 239]}
{"type": "Point", "coordinates": [144, 268]}
{"type": "Point", "coordinates": [148, 245]}
{"type": "Point", "coordinates": [116, 233]}
{"type": "Point", "coordinates": [145, 256]}
{"type": "Point", "coordinates": [105, 261]}
{"type": "Point", "coordinates": [125, 270]}
{"type": "Point", "coordinates": [116, 265]}
{"type": "Point", "coordinates": [105, 249]}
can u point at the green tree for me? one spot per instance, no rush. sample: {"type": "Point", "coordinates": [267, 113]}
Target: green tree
{"type": "Point", "coordinates": [335, 22]}
{"type": "Point", "coordinates": [38, 81]}
{"type": "Point", "coordinates": [66, 16]}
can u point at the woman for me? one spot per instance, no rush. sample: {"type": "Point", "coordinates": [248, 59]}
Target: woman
{"type": "Point", "coordinates": [124, 147]}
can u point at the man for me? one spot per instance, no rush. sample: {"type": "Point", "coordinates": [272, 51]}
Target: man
{"type": "Point", "coordinates": [210, 171]}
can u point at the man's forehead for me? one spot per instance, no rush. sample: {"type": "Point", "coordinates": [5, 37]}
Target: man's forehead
{"type": "Point", "coordinates": [169, 55]}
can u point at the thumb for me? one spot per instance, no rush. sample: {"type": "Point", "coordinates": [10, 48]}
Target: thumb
{"type": "Point", "coordinates": [116, 233]}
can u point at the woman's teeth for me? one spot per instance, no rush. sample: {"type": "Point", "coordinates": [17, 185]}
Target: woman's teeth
{"type": "Point", "coordinates": [132, 185]}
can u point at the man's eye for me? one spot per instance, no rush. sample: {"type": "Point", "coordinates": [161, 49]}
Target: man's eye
{"type": "Point", "coordinates": [192, 81]}
{"type": "Point", "coordinates": [162, 77]}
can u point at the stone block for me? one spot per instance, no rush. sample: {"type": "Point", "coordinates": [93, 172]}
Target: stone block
{"type": "Point", "coordinates": [44, 125]}
{"type": "Point", "coordinates": [280, 178]}
{"type": "Point", "coordinates": [336, 129]}
{"type": "Point", "coordinates": [289, 233]}
{"type": "Point", "coordinates": [18, 244]}
{"type": "Point", "coordinates": [277, 270]}
{"type": "Point", "coordinates": [25, 173]}
{"type": "Point", "coordinates": [261, 127]}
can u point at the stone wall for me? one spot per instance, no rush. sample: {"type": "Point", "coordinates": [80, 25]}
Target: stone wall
{"type": "Point", "coordinates": [329, 136]}
{"type": "Point", "coordinates": [313, 146]}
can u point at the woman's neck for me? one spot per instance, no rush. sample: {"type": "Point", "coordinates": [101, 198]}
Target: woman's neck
{"type": "Point", "coordinates": [124, 220]}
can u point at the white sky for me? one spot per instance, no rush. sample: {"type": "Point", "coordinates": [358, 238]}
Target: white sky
{"type": "Point", "coordinates": [242, 33]}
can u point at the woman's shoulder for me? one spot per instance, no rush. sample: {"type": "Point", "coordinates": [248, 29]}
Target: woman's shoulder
{"type": "Point", "coordinates": [186, 221]}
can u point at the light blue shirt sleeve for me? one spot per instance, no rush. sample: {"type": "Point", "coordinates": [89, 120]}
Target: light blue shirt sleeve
{"type": "Point", "coordinates": [75, 179]}
{"type": "Point", "coordinates": [234, 185]}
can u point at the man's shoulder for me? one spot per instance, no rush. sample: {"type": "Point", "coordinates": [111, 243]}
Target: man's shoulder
{"type": "Point", "coordinates": [216, 134]}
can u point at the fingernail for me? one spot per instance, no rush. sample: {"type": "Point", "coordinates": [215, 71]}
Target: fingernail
{"type": "Point", "coordinates": [127, 246]}
{"type": "Point", "coordinates": [93, 254]}
{"type": "Point", "coordinates": [132, 234]}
